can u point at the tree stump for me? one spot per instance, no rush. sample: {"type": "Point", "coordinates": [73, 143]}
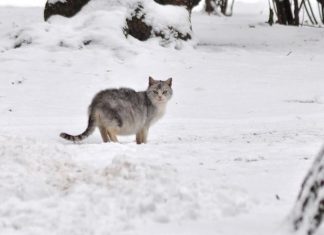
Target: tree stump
{"type": "Point", "coordinates": [67, 8]}
{"type": "Point", "coordinates": [309, 208]}
{"type": "Point", "coordinates": [136, 25]}
{"type": "Point", "coordinates": [138, 28]}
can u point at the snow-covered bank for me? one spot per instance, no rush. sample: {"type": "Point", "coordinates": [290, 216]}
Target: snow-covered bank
{"type": "Point", "coordinates": [244, 124]}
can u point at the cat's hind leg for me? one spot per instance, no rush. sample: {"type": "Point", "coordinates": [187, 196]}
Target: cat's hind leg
{"type": "Point", "coordinates": [112, 136]}
{"type": "Point", "coordinates": [139, 138]}
{"type": "Point", "coordinates": [104, 134]}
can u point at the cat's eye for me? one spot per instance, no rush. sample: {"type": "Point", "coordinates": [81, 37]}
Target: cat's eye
{"type": "Point", "coordinates": [164, 92]}
{"type": "Point", "coordinates": [155, 92]}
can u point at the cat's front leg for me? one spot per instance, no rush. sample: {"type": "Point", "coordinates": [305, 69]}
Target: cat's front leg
{"type": "Point", "coordinates": [145, 133]}
{"type": "Point", "coordinates": [141, 136]}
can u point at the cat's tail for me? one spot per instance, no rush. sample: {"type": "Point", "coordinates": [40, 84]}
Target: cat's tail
{"type": "Point", "coordinates": [90, 129]}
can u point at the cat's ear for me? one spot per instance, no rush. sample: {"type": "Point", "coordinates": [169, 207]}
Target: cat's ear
{"type": "Point", "coordinates": [151, 81]}
{"type": "Point", "coordinates": [169, 82]}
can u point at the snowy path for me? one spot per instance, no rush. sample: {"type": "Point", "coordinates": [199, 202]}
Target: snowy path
{"type": "Point", "coordinates": [243, 126]}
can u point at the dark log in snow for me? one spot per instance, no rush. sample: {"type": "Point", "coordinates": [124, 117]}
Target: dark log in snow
{"type": "Point", "coordinates": [136, 25]}
{"type": "Point", "coordinates": [66, 8]}
{"type": "Point", "coordinates": [140, 29]}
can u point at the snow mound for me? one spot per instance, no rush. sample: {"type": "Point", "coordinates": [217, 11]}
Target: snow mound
{"type": "Point", "coordinates": [95, 28]}
{"type": "Point", "coordinates": [102, 23]}
{"type": "Point", "coordinates": [171, 23]}
{"type": "Point", "coordinates": [49, 189]}
{"type": "Point", "coordinates": [319, 99]}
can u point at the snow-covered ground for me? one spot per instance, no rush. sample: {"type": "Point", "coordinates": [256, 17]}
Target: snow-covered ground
{"type": "Point", "coordinates": [245, 123]}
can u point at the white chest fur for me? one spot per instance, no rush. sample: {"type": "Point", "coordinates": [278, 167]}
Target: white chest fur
{"type": "Point", "coordinates": [160, 111]}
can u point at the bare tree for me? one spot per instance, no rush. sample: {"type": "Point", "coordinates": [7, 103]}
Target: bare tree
{"type": "Point", "coordinates": [283, 10]}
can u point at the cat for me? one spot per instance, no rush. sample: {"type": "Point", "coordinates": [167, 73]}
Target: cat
{"type": "Point", "coordinates": [126, 112]}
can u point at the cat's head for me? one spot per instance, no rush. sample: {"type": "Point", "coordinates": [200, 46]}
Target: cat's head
{"type": "Point", "coordinates": [159, 92]}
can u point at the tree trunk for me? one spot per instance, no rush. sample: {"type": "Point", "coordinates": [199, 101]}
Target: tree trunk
{"type": "Point", "coordinates": [284, 12]}
{"type": "Point", "coordinates": [231, 9]}
{"type": "Point", "coordinates": [296, 13]}
{"type": "Point", "coordinates": [223, 6]}
{"type": "Point", "coordinates": [321, 9]}
{"type": "Point", "coordinates": [209, 6]}
{"type": "Point", "coordinates": [270, 20]}
{"type": "Point", "coordinates": [309, 208]}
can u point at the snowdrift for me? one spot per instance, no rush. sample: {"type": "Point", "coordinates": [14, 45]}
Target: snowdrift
{"type": "Point", "coordinates": [62, 192]}
{"type": "Point", "coordinates": [103, 23]}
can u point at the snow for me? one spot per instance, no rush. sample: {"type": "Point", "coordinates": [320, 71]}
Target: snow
{"type": "Point", "coordinates": [228, 158]}
{"type": "Point", "coordinates": [93, 25]}
{"type": "Point", "coordinates": [55, 1]}
{"type": "Point", "coordinates": [25, 3]}
{"type": "Point", "coordinates": [162, 16]}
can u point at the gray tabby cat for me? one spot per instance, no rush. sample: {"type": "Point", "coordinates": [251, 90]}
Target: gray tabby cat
{"type": "Point", "coordinates": [126, 112]}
